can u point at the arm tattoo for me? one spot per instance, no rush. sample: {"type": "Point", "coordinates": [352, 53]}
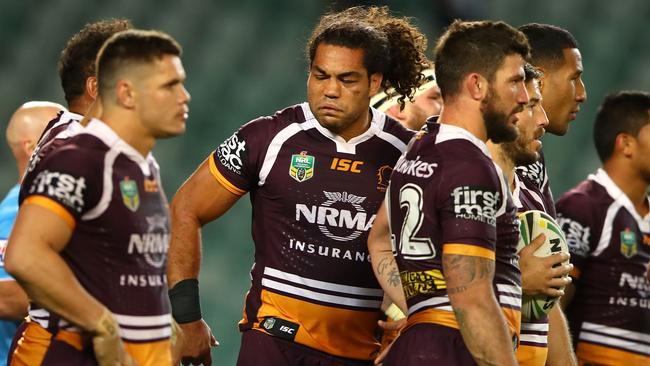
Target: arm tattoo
{"type": "Point", "coordinates": [465, 270]}
{"type": "Point", "coordinates": [388, 268]}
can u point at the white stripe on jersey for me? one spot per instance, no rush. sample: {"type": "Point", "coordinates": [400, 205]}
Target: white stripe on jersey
{"type": "Point", "coordinates": [519, 186]}
{"type": "Point", "coordinates": [542, 340]}
{"type": "Point", "coordinates": [159, 326]}
{"type": "Point", "coordinates": [616, 332]}
{"type": "Point", "coordinates": [534, 327]}
{"type": "Point", "coordinates": [509, 300]}
{"type": "Point", "coordinates": [322, 285]}
{"type": "Point", "coordinates": [376, 128]}
{"type": "Point", "coordinates": [512, 289]}
{"type": "Point", "coordinates": [601, 177]}
{"type": "Point", "coordinates": [145, 334]}
{"type": "Point", "coordinates": [615, 342]}
{"type": "Point", "coordinates": [276, 144]}
{"type": "Point", "coordinates": [433, 301]}
{"type": "Point", "coordinates": [606, 234]}
{"type": "Point", "coordinates": [66, 117]}
{"type": "Point", "coordinates": [107, 189]}
{"type": "Point", "coordinates": [144, 320]}
{"type": "Point", "coordinates": [313, 295]}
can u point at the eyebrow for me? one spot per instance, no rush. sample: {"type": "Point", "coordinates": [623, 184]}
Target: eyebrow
{"type": "Point", "coordinates": [341, 75]}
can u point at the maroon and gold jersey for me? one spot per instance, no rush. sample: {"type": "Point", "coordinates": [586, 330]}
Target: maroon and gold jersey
{"type": "Point", "coordinates": [610, 249]}
{"type": "Point", "coordinates": [533, 340]}
{"type": "Point", "coordinates": [112, 198]}
{"type": "Point", "coordinates": [63, 121]}
{"type": "Point", "coordinates": [535, 178]}
{"type": "Point", "coordinates": [314, 197]}
{"type": "Point", "coordinates": [447, 196]}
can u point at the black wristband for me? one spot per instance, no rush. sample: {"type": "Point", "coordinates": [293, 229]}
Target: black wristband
{"type": "Point", "coordinates": [184, 298]}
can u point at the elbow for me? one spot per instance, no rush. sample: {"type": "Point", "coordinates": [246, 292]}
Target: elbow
{"type": "Point", "coordinates": [16, 263]}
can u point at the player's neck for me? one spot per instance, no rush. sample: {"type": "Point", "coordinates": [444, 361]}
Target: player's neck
{"type": "Point", "coordinates": [129, 129]}
{"type": "Point", "coordinates": [465, 116]}
{"type": "Point", "coordinates": [631, 183]}
{"type": "Point", "coordinates": [505, 163]}
{"type": "Point", "coordinates": [81, 105]}
{"type": "Point", "coordinates": [357, 127]}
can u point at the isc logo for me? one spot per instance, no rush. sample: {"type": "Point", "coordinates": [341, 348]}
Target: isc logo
{"type": "Point", "coordinates": [286, 329]}
{"type": "Point", "coordinates": [346, 165]}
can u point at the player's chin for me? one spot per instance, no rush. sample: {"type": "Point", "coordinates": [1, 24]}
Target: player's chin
{"type": "Point", "coordinates": [171, 132]}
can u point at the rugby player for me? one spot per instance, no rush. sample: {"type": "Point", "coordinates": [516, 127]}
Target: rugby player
{"type": "Point", "coordinates": [90, 240]}
{"type": "Point", "coordinates": [533, 344]}
{"type": "Point", "coordinates": [76, 68]}
{"type": "Point", "coordinates": [607, 224]}
{"type": "Point", "coordinates": [554, 51]}
{"type": "Point", "coordinates": [316, 173]}
{"type": "Point", "coordinates": [471, 313]}
{"type": "Point", "coordinates": [427, 102]}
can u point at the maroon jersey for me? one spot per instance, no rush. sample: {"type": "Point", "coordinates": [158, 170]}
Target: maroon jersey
{"type": "Point", "coordinates": [112, 198]}
{"type": "Point", "coordinates": [447, 196]}
{"type": "Point", "coordinates": [64, 125]}
{"type": "Point", "coordinates": [533, 341]}
{"type": "Point", "coordinates": [610, 249]}
{"type": "Point", "coordinates": [314, 198]}
{"type": "Point", "coordinates": [535, 178]}
{"type": "Point", "coordinates": [63, 121]}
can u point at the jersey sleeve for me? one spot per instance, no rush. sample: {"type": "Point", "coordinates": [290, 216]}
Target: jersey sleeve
{"type": "Point", "coordinates": [236, 163]}
{"type": "Point", "coordinates": [470, 197]}
{"type": "Point", "coordinates": [577, 219]}
{"type": "Point", "coordinates": [67, 181]}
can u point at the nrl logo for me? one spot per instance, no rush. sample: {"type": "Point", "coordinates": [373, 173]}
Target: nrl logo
{"type": "Point", "coordinates": [130, 196]}
{"type": "Point", "coordinates": [302, 166]}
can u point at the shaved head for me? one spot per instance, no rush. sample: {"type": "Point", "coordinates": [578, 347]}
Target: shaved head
{"type": "Point", "coordinates": [26, 126]}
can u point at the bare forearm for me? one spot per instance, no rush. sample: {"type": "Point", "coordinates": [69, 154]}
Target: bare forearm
{"type": "Point", "coordinates": [184, 256]}
{"type": "Point", "coordinates": [387, 273]}
{"type": "Point", "coordinates": [480, 320]}
{"type": "Point", "coordinates": [560, 349]}
{"type": "Point", "coordinates": [50, 283]}
{"type": "Point", "coordinates": [485, 333]}
{"type": "Point", "coordinates": [383, 261]}
{"type": "Point", "coordinates": [13, 301]}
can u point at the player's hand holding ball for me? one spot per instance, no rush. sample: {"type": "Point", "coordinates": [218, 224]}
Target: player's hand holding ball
{"type": "Point", "coordinates": [544, 263]}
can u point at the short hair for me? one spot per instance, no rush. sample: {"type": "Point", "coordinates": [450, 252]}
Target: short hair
{"type": "Point", "coordinates": [531, 72]}
{"type": "Point", "coordinates": [392, 46]}
{"type": "Point", "coordinates": [77, 59]}
{"type": "Point", "coordinates": [126, 48]}
{"type": "Point", "coordinates": [547, 43]}
{"type": "Point", "coordinates": [622, 112]}
{"type": "Point", "coordinates": [480, 47]}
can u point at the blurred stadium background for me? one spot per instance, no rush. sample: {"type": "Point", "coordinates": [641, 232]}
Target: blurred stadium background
{"type": "Point", "coordinates": [245, 59]}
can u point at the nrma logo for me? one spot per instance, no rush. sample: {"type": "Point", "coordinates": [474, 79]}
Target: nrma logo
{"type": "Point", "coordinates": [473, 203]}
{"type": "Point", "coordinates": [341, 212]}
{"type": "Point", "coordinates": [153, 244]}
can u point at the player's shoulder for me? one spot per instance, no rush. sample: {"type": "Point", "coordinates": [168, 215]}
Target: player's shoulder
{"type": "Point", "coordinates": [277, 121]}
{"type": "Point", "coordinates": [460, 146]}
{"type": "Point", "coordinates": [393, 127]}
{"type": "Point", "coordinates": [586, 194]}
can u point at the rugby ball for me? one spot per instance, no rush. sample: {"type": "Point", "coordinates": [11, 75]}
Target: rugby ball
{"type": "Point", "coordinates": [531, 224]}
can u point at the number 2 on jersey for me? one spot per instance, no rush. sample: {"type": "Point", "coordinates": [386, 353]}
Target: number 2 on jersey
{"type": "Point", "coordinates": [410, 246]}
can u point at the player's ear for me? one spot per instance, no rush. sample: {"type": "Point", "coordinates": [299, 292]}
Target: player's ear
{"type": "Point", "coordinates": [375, 83]}
{"type": "Point", "coordinates": [91, 86]}
{"type": "Point", "coordinates": [125, 93]}
{"type": "Point", "coordinates": [476, 85]}
{"type": "Point", "coordinates": [542, 79]}
{"type": "Point", "coordinates": [625, 143]}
